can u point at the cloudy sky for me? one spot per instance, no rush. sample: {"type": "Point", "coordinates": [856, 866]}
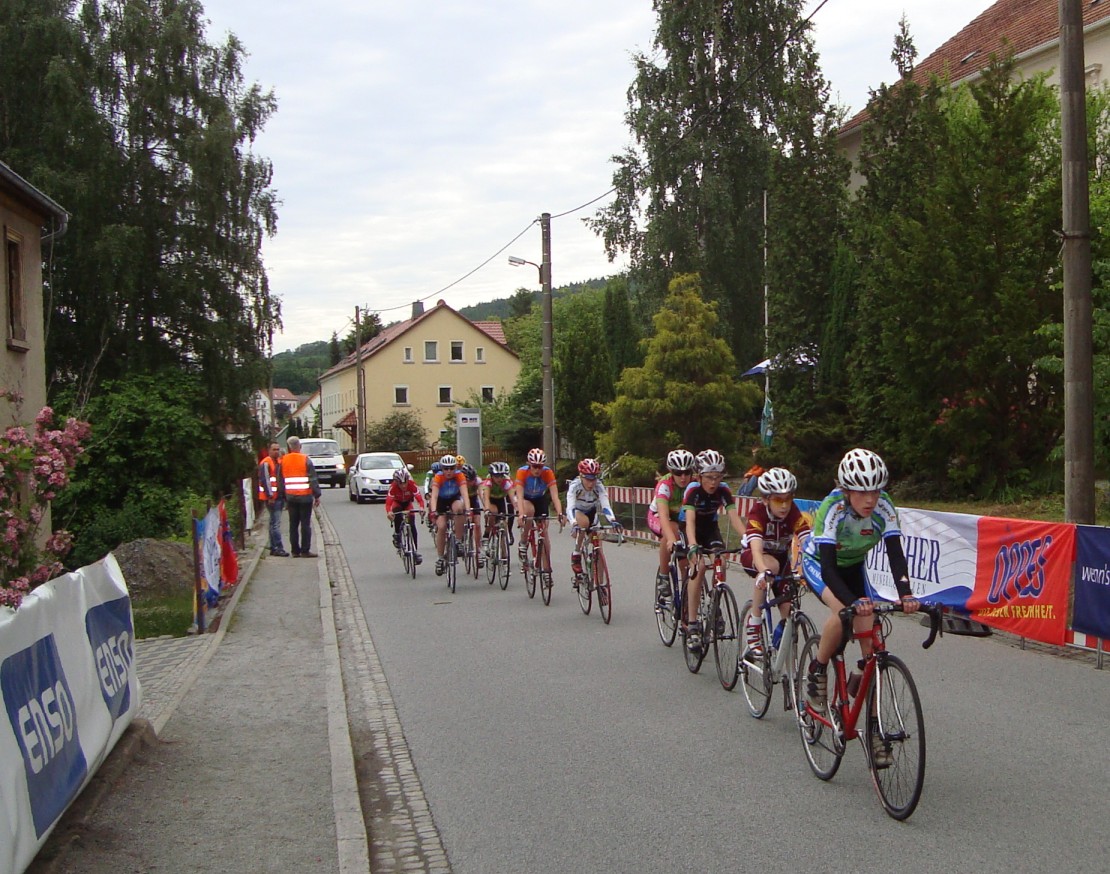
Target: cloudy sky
{"type": "Point", "coordinates": [415, 143]}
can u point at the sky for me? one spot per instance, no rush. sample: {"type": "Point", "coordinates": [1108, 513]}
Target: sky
{"type": "Point", "coordinates": [416, 144]}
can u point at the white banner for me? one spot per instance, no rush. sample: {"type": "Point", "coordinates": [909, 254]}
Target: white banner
{"type": "Point", "coordinates": [248, 505]}
{"type": "Point", "coordinates": [69, 688]}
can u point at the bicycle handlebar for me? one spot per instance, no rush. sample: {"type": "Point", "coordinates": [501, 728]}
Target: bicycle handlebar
{"type": "Point", "coordinates": [935, 612]}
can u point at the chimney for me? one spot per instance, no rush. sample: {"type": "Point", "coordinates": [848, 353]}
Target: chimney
{"type": "Point", "coordinates": [417, 308]}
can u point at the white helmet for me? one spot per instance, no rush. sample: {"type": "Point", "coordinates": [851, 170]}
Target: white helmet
{"type": "Point", "coordinates": [680, 460]}
{"type": "Point", "coordinates": [537, 456]}
{"type": "Point", "coordinates": [778, 481]}
{"type": "Point", "coordinates": [449, 461]}
{"type": "Point", "coordinates": [499, 468]}
{"type": "Point", "coordinates": [710, 461]}
{"type": "Point", "coordinates": [861, 470]}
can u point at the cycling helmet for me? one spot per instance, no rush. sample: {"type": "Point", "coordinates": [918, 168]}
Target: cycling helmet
{"type": "Point", "coordinates": [499, 468]}
{"type": "Point", "coordinates": [537, 456]}
{"type": "Point", "coordinates": [401, 476]}
{"type": "Point", "coordinates": [589, 467]}
{"type": "Point", "coordinates": [468, 471]}
{"type": "Point", "coordinates": [861, 470]}
{"type": "Point", "coordinates": [710, 461]}
{"type": "Point", "coordinates": [449, 461]}
{"type": "Point", "coordinates": [778, 481]}
{"type": "Point", "coordinates": [435, 468]}
{"type": "Point", "coordinates": [461, 459]}
{"type": "Point", "coordinates": [680, 460]}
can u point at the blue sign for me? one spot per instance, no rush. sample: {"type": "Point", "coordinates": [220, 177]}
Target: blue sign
{"type": "Point", "coordinates": [43, 715]}
{"type": "Point", "coordinates": [1092, 581]}
{"type": "Point", "coordinates": [111, 638]}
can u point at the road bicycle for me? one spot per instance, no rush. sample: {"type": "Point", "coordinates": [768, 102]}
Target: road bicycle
{"type": "Point", "coordinates": [407, 546]}
{"type": "Point", "coordinates": [469, 550]}
{"type": "Point", "coordinates": [776, 660]}
{"type": "Point", "coordinates": [536, 555]}
{"type": "Point", "coordinates": [668, 610]}
{"type": "Point", "coordinates": [451, 550]}
{"type": "Point", "coordinates": [894, 727]}
{"type": "Point", "coordinates": [498, 553]}
{"type": "Point", "coordinates": [716, 611]}
{"type": "Point", "coordinates": [595, 572]}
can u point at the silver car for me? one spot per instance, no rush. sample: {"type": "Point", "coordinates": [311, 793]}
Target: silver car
{"type": "Point", "coordinates": [369, 477]}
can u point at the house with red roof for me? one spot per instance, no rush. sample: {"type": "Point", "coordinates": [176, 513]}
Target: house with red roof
{"type": "Point", "coordinates": [1028, 28]}
{"type": "Point", "coordinates": [429, 364]}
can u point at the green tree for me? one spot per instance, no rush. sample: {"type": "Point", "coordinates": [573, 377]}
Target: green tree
{"type": "Point", "coordinates": [580, 368]}
{"type": "Point", "coordinates": [520, 304]}
{"type": "Point", "coordinates": [370, 327]}
{"type": "Point", "coordinates": [335, 350]}
{"type": "Point", "coordinates": [397, 432]}
{"type": "Point", "coordinates": [622, 338]}
{"type": "Point", "coordinates": [686, 393]}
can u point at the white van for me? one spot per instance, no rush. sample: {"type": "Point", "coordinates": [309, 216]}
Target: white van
{"type": "Point", "coordinates": [327, 459]}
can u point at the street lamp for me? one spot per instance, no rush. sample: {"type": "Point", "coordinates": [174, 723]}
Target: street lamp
{"type": "Point", "coordinates": [545, 281]}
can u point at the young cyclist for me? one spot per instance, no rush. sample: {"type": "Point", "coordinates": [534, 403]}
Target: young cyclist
{"type": "Point", "coordinates": [849, 523]}
{"type": "Point", "coordinates": [536, 492]}
{"type": "Point", "coordinates": [701, 505]}
{"type": "Point", "coordinates": [403, 493]}
{"type": "Point", "coordinates": [664, 516]}
{"type": "Point", "coordinates": [773, 524]}
{"type": "Point", "coordinates": [449, 495]}
{"type": "Point", "coordinates": [472, 486]}
{"type": "Point", "coordinates": [497, 494]}
{"type": "Point", "coordinates": [585, 495]}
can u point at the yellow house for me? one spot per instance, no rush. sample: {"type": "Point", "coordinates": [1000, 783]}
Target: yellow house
{"type": "Point", "coordinates": [435, 361]}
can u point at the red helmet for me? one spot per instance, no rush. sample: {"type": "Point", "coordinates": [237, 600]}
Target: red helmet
{"type": "Point", "coordinates": [589, 467]}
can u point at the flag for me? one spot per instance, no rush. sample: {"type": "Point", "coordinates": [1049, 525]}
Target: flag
{"type": "Point", "coordinates": [767, 426]}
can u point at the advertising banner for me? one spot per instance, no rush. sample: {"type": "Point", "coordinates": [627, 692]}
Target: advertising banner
{"type": "Point", "coordinates": [1023, 577]}
{"type": "Point", "coordinates": [69, 690]}
{"type": "Point", "coordinates": [1092, 582]}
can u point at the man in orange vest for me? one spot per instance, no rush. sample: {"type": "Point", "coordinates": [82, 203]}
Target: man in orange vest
{"type": "Point", "coordinates": [297, 483]}
{"type": "Point", "coordinates": [268, 492]}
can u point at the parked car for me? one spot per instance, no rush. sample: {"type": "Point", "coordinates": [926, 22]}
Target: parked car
{"type": "Point", "coordinates": [369, 477]}
{"type": "Point", "coordinates": [327, 459]}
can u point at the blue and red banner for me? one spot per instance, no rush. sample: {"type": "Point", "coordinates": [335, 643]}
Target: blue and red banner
{"type": "Point", "coordinates": [1092, 582]}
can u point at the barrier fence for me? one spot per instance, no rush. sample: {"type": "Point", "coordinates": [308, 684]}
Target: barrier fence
{"type": "Point", "coordinates": [1043, 581]}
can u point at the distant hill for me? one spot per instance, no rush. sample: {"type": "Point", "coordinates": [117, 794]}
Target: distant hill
{"type": "Point", "coordinates": [501, 308]}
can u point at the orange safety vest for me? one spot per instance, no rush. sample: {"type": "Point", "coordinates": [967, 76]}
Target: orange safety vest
{"type": "Point", "coordinates": [273, 466]}
{"type": "Point", "coordinates": [294, 467]}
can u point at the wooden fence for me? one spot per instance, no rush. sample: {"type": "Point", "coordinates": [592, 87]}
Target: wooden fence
{"type": "Point", "coordinates": [421, 459]}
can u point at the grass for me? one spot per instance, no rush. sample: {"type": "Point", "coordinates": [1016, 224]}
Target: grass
{"type": "Point", "coordinates": [170, 614]}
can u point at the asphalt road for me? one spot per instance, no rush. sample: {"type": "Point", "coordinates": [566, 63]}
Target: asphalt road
{"type": "Point", "coordinates": [549, 742]}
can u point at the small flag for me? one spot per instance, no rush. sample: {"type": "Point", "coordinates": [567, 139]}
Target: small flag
{"type": "Point", "coordinates": [767, 426]}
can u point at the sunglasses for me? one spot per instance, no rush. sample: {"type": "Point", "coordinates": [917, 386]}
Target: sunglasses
{"type": "Point", "coordinates": [588, 478]}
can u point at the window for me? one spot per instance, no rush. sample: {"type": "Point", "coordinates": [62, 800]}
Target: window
{"type": "Point", "coordinates": [444, 395]}
{"type": "Point", "coordinates": [479, 354]}
{"type": "Point", "coordinates": [431, 350]}
{"type": "Point", "coordinates": [487, 394]}
{"type": "Point", "coordinates": [13, 282]}
{"type": "Point", "coordinates": [400, 395]}
{"type": "Point", "coordinates": [457, 350]}
{"type": "Point", "coordinates": [408, 355]}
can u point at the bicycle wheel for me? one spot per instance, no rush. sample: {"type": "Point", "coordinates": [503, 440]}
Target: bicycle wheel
{"type": "Point", "coordinates": [895, 720]}
{"type": "Point", "coordinates": [585, 584]}
{"type": "Point", "coordinates": [476, 555]}
{"type": "Point", "coordinates": [694, 657]}
{"type": "Point", "coordinates": [601, 585]}
{"type": "Point", "coordinates": [543, 561]}
{"type": "Point", "coordinates": [755, 668]}
{"type": "Point", "coordinates": [451, 553]}
{"type": "Point", "coordinates": [823, 746]}
{"type": "Point", "coordinates": [531, 571]}
{"type": "Point", "coordinates": [666, 614]}
{"type": "Point", "coordinates": [803, 630]}
{"type": "Point", "coordinates": [503, 556]}
{"type": "Point", "coordinates": [726, 638]}
{"type": "Point", "coordinates": [408, 552]}
{"type": "Point", "coordinates": [489, 547]}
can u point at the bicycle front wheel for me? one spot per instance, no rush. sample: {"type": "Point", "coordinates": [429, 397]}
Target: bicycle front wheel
{"type": "Point", "coordinates": [824, 748]}
{"type": "Point", "coordinates": [604, 590]}
{"type": "Point", "coordinates": [503, 554]}
{"type": "Point", "coordinates": [802, 629]}
{"type": "Point", "coordinates": [726, 639]}
{"type": "Point", "coordinates": [895, 738]}
{"type": "Point", "coordinates": [694, 657]}
{"type": "Point", "coordinates": [531, 572]}
{"type": "Point", "coordinates": [585, 596]}
{"type": "Point", "coordinates": [452, 555]}
{"type": "Point", "coordinates": [543, 562]}
{"type": "Point", "coordinates": [755, 667]}
{"type": "Point", "coordinates": [666, 611]}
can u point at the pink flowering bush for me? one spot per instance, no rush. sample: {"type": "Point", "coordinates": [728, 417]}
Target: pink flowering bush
{"type": "Point", "coordinates": [33, 467]}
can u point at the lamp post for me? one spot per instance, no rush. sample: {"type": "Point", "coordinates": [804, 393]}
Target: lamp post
{"type": "Point", "coordinates": [545, 281]}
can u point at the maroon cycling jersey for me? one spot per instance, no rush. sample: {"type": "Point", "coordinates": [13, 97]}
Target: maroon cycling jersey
{"type": "Point", "coordinates": [776, 534]}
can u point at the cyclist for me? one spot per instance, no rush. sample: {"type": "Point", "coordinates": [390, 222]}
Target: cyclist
{"type": "Point", "coordinates": [773, 524]}
{"type": "Point", "coordinates": [403, 493]}
{"type": "Point", "coordinates": [585, 495]}
{"type": "Point", "coordinates": [849, 523]}
{"type": "Point", "coordinates": [449, 495]}
{"type": "Point", "coordinates": [428, 477]}
{"type": "Point", "coordinates": [497, 494]}
{"type": "Point", "coordinates": [472, 487]}
{"type": "Point", "coordinates": [701, 506]}
{"type": "Point", "coordinates": [664, 516]}
{"type": "Point", "coordinates": [536, 491]}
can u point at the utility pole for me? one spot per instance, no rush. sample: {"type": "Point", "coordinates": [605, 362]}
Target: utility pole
{"type": "Point", "coordinates": [360, 391]}
{"type": "Point", "coordinates": [548, 389]}
{"type": "Point", "coordinates": [1079, 466]}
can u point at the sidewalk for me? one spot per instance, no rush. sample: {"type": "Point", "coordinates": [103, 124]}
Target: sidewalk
{"type": "Point", "coordinates": [240, 758]}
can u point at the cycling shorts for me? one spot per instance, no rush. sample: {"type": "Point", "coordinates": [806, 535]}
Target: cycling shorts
{"type": "Point", "coordinates": [443, 505]}
{"type": "Point", "coordinates": [541, 504]}
{"type": "Point", "coordinates": [708, 533]}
